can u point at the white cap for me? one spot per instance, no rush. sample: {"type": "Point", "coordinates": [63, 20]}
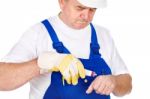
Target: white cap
{"type": "Point", "coordinates": [93, 3]}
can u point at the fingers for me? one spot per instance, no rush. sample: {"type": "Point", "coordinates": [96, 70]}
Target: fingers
{"type": "Point", "coordinates": [76, 70]}
{"type": "Point", "coordinates": [72, 68]}
{"type": "Point", "coordinates": [90, 89]}
{"type": "Point", "coordinates": [101, 89]}
{"type": "Point", "coordinates": [64, 68]}
{"type": "Point", "coordinates": [107, 90]}
{"type": "Point", "coordinates": [94, 86]}
{"type": "Point", "coordinates": [74, 80]}
{"type": "Point", "coordinates": [74, 74]}
{"type": "Point", "coordinates": [66, 75]}
{"type": "Point", "coordinates": [71, 73]}
{"type": "Point", "coordinates": [81, 69]}
{"type": "Point", "coordinates": [102, 85]}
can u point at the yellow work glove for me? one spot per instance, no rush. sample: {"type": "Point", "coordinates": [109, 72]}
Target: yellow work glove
{"type": "Point", "coordinates": [69, 66]}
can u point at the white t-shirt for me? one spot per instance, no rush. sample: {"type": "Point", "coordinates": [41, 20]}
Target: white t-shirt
{"type": "Point", "coordinates": [37, 40]}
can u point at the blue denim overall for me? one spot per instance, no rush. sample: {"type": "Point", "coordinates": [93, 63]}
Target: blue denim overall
{"type": "Point", "coordinates": [58, 90]}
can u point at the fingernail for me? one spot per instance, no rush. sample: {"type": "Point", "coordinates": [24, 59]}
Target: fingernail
{"type": "Point", "coordinates": [87, 92]}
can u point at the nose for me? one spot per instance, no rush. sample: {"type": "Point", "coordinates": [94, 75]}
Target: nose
{"type": "Point", "coordinates": [86, 14]}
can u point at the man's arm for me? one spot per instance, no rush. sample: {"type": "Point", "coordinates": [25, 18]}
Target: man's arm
{"type": "Point", "coordinates": [123, 85]}
{"type": "Point", "coordinates": [13, 75]}
{"type": "Point", "coordinates": [119, 85]}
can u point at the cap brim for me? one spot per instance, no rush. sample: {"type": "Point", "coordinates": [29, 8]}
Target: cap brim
{"type": "Point", "coordinates": [94, 3]}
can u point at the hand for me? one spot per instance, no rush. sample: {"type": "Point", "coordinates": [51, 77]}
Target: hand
{"type": "Point", "coordinates": [70, 67]}
{"type": "Point", "coordinates": [104, 85]}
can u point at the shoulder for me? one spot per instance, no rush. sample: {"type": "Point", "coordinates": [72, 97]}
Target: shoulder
{"type": "Point", "coordinates": [106, 42]}
{"type": "Point", "coordinates": [103, 34]}
{"type": "Point", "coordinates": [39, 27]}
{"type": "Point", "coordinates": [37, 30]}
{"type": "Point", "coordinates": [100, 28]}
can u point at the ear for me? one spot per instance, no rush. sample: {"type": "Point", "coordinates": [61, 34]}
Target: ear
{"type": "Point", "coordinates": [62, 3]}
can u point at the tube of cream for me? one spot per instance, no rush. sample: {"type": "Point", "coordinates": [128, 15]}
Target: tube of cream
{"type": "Point", "coordinates": [90, 73]}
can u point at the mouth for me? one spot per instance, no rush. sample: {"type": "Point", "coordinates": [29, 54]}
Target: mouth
{"type": "Point", "coordinates": [82, 21]}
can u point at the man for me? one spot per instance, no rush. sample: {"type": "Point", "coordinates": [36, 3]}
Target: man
{"type": "Point", "coordinates": [67, 57]}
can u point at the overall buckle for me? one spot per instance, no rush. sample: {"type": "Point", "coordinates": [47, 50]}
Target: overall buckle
{"type": "Point", "coordinates": [58, 46]}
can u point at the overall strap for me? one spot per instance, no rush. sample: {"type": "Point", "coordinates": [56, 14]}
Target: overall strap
{"type": "Point", "coordinates": [94, 46]}
{"type": "Point", "coordinates": [57, 45]}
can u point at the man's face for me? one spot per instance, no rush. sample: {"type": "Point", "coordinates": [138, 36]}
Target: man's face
{"type": "Point", "coordinates": [75, 14]}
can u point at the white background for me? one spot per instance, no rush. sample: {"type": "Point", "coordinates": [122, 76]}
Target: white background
{"type": "Point", "coordinates": [128, 21]}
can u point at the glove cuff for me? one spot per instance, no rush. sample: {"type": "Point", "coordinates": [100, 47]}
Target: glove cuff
{"type": "Point", "coordinates": [48, 61]}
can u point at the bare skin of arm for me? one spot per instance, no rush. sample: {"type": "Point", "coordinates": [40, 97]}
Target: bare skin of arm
{"type": "Point", "coordinates": [123, 85]}
{"type": "Point", "coordinates": [119, 85]}
{"type": "Point", "coordinates": [14, 75]}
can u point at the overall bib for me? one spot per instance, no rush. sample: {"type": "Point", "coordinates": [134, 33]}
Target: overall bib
{"type": "Point", "coordinates": [58, 90]}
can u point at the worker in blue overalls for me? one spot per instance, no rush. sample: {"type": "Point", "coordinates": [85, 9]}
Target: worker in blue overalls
{"type": "Point", "coordinates": [73, 81]}
{"type": "Point", "coordinates": [94, 63]}
{"type": "Point", "coordinates": [67, 57]}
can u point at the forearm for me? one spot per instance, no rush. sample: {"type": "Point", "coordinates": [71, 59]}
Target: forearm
{"type": "Point", "coordinates": [123, 84]}
{"type": "Point", "coordinates": [13, 75]}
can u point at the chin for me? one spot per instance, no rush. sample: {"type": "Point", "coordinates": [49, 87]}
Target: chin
{"type": "Point", "coordinates": [81, 26]}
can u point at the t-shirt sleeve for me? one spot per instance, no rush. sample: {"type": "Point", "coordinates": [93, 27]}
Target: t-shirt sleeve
{"type": "Point", "coordinates": [24, 49]}
{"type": "Point", "coordinates": [110, 52]}
{"type": "Point", "coordinates": [117, 64]}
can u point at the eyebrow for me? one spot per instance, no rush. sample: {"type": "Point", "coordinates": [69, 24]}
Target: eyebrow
{"type": "Point", "coordinates": [84, 7]}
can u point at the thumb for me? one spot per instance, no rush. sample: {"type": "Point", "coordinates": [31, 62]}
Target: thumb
{"type": "Point", "coordinates": [90, 89]}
